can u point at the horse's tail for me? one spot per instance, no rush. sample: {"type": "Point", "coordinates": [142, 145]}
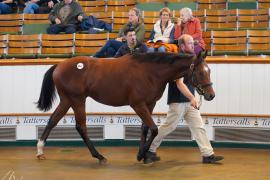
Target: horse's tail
{"type": "Point", "coordinates": [47, 94]}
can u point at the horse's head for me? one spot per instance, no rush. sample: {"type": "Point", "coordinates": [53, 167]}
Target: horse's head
{"type": "Point", "coordinates": [199, 77]}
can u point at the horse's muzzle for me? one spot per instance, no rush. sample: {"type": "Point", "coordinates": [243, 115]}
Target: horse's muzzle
{"type": "Point", "coordinates": [209, 97]}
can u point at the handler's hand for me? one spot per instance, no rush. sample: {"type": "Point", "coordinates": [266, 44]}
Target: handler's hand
{"type": "Point", "coordinates": [194, 103]}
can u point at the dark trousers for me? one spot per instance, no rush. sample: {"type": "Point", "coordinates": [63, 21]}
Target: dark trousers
{"type": "Point", "coordinates": [57, 28]}
{"type": "Point", "coordinates": [5, 9]}
{"type": "Point", "coordinates": [109, 49]}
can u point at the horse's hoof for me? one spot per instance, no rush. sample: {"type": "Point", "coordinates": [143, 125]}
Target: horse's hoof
{"type": "Point", "coordinates": [103, 161]}
{"type": "Point", "coordinates": [140, 156]}
{"type": "Point", "coordinates": [41, 157]}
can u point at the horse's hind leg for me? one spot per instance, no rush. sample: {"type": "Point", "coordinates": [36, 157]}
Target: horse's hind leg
{"type": "Point", "coordinates": [80, 116]}
{"type": "Point", "coordinates": [59, 112]}
{"type": "Point", "coordinates": [144, 113]}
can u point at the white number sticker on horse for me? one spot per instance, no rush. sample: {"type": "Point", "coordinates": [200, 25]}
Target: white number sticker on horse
{"type": "Point", "coordinates": [80, 65]}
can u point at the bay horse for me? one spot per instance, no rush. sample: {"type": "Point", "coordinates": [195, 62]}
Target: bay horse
{"type": "Point", "coordinates": [137, 80]}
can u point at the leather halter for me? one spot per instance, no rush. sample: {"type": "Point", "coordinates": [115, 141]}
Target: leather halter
{"type": "Point", "coordinates": [199, 87]}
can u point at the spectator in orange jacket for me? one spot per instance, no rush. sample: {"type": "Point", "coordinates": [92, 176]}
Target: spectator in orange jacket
{"type": "Point", "coordinates": [187, 24]}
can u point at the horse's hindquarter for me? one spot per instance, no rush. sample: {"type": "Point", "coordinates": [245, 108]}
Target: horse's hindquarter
{"type": "Point", "coordinates": [70, 76]}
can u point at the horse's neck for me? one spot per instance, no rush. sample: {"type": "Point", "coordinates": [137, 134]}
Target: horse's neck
{"type": "Point", "coordinates": [168, 72]}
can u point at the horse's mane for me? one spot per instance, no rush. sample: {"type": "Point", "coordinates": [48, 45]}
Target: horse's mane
{"type": "Point", "coordinates": [160, 57]}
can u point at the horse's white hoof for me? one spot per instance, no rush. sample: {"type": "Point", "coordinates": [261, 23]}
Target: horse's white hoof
{"type": "Point", "coordinates": [103, 161]}
{"type": "Point", "coordinates": [41, 157]}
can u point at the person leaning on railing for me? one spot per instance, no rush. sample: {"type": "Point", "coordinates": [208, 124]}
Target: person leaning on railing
{"type": "Point", "coordinates": [187, 24]}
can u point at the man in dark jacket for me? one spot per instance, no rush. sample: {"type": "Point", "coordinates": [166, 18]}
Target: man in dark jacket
{"type": "Point", "coordinates": [132, 45]}
{"type": "Point", "coordinates": [65, 16]}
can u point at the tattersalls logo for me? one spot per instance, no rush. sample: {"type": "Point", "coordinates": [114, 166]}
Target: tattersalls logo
{"type": "Point", "coordinates": [135, 120]}
{"type": "Point", "coordinates": [7, 120]}
{"type": "Point", "coordinates": [223, 121]}
{"type": "Point", "coordinates": [128, 120]}
{"type": "Point", "coordinates": [89, 119]}
{"type": "Point", "coordinates": [265, 122]}
{"type": "Point", "coordinates": [97, 119]}
{"type": "Point", "coordinates": [38, 120]}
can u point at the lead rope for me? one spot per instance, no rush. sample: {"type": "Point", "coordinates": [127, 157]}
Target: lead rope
{"type": "Point", "coordinates": [199, 103]}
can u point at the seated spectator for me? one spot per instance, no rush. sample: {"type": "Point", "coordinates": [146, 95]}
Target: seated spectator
{"type": "Point", "coordinates": [39, 6]}
{"type": "Point", "coordinates": [112, 45]}
{"type": "Point", "coordinates": [6, 6]}
{"type": "Point", "coordinates": [163, 32]}
{"type": "Point", "coordinates": [187, 24]}
{"type": "Point", "coordinates": [65, 17]}
{"type": "Point", "coordinates": [132, 45]}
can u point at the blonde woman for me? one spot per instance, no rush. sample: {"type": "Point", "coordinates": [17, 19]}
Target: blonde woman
{"type": "Point", "coordinates": [163, 32]}
{"type": "Point", "coordinates": [187, 24]}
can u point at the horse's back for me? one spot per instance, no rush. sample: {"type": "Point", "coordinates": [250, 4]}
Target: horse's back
{"type": "Point", "coordinates": [80, 65]}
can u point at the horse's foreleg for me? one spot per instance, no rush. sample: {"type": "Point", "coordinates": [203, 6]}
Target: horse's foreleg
{"type": "Point", "coordinates": [144, 132]}
{"type": "Point", "coordinates": [59, 112]}
{"type": "Point", "coordinates": [144, 113]}
{"type": "Point", "coordinates": [80, 116]}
